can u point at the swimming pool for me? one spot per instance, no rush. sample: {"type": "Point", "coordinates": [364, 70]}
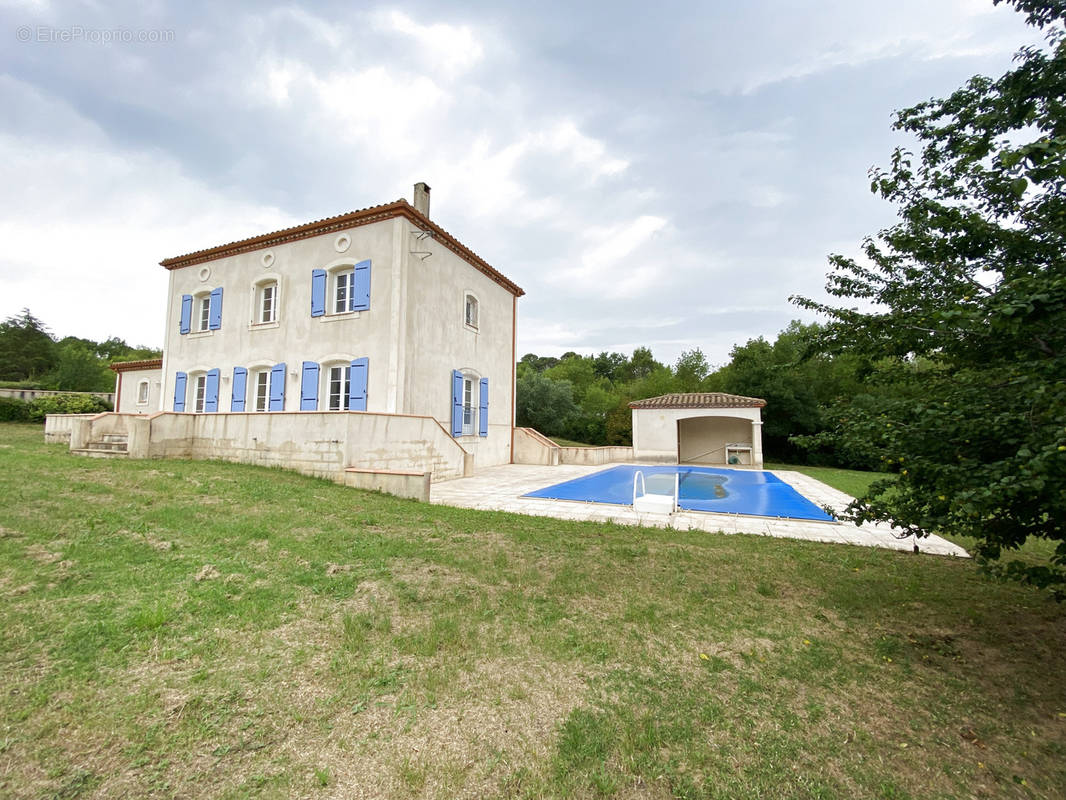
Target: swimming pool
{"type": "Point", "coordinates": [723, 491]}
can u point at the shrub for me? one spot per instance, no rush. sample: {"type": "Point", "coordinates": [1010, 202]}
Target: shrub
{"type": "Point", "coordinates": [65, 404]}
{"type": "Point", "coordinates": [14, 410]}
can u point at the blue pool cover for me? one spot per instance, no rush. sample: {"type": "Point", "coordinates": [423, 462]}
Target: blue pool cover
{"type": "Point", "coordinates": [723, 491]}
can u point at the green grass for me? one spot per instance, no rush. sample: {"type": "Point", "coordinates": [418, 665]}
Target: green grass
{"type": "Point", "coordinates": [178, 628]}
{"type": "Point", "coordinates": [570, 443]}
{"type": "Point", "coordinates": [849, 481]}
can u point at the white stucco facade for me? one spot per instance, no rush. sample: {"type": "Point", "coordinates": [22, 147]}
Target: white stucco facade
{"type": "Point", "coordinates": [378, 311]}
{"type": "Point", "coordinates": [138, 387]}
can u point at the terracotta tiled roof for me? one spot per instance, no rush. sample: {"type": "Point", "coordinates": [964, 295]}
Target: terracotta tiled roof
{"type": "Point", "coordinates": [352, 219]}
{"type": "Point", "coordinates": [700, 400]}
{"type": "Point", "coordinates": [151, 363]}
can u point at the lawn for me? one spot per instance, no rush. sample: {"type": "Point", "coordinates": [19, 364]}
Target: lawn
{"type": "Point", "coordinates": [179, 629]}
{"type": "Point", "coordinates": [570, 442]}
{"type": "Point", "coordinates": [849, 481]}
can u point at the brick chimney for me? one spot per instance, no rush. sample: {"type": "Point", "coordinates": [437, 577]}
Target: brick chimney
{"type": "Point", "coordinates": [422, 198]}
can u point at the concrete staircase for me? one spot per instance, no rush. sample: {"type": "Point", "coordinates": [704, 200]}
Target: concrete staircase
{"type": "Point", "coordinates": [111, 445]}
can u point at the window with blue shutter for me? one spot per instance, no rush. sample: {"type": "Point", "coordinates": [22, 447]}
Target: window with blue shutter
{"type": "Point", "coordinates": [277, 387]}
{"type": "Point", "coordinates": [240, 389]}
{"type": "Point", "coordinates": [180, 379]}
{"type": "Point", "coordinates": [309, 387]}
{"type": "Point", "coordinates": [483, 409]}
{"type": "Point", "coordinates": [457, 403]}
{"type": "Point", "coordinates": [185, 325]}
{"type": "Point", "coordinates": [214, 317]}
{"type": "Point", "coordinates": [357, 384]}
{"type": "Point", "coordinates": [318, 292]}
{"type": "Point", "coordinates": [361, 292]}
{"type": "Point", "coordinates": [211, 391]}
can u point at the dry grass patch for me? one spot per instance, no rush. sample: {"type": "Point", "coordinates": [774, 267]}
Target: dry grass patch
{"type": "Point", "coordinates": [385, 648]}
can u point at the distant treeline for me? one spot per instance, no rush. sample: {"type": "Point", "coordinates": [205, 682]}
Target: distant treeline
{"type": "Point", "coordinates": [31, 357]}
{"type": "Point", "coordinates": [586, 398]}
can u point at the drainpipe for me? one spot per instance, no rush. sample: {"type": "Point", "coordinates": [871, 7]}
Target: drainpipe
{"type": "Point", "coordinates": [514, 368]}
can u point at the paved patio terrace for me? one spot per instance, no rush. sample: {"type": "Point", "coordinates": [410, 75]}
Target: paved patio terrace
{"type": "Point", "coordinates": [501, 489]}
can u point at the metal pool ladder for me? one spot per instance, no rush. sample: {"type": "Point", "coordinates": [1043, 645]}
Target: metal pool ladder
{"type": "Point", "coordinates": [654, 503]}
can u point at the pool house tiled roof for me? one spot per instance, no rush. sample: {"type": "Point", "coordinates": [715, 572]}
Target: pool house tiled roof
{"type": "Point", "coordinates": [699, 400]}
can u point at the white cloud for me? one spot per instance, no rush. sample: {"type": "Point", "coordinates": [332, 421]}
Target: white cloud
{"type": "Point", "coordinates": [384, 110]}
{"type": "Point", "coordinates": [82, 244]}
{"type": "Point", "coordinates": [627, 195]}
{"type": "Point", "coordinates": [380, 106]}
{"type": "Point", "coordinates": [453, 49]}
{"type": "Point", "coordinates": [565, 138]}
{"type": "Point", "coordinates": [610, 262]}
{"type": "Point", "coordinates": [279, 76]}
{"type": "Point", "coordinates": [331, 32]}
{"type": "Point", "coordinates": [36, 6]}
{"type": "Point", "coordinates": [853, 54]}
{"type": "Point", "coordinates": [488, 176]}
{"type": "Point", "coordinates": [766, 197]}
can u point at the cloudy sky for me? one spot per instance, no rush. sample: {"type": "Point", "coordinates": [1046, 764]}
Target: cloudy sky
{"type": "Point", "coordinates": [661, 174]}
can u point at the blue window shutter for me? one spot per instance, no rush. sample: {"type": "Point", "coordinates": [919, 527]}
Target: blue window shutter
{"type": "Point", "coordinates": [357, 384]}
{"type": "Point", "coordinates": [361, 292]}
{"type": "Point", "coordinates": [483, 412]}
{"type": "Point", "coordinates": [309, 387]}
{"type": "Point", "coordinates": [240, 388]}
{"type": "Point", "coordinates": [214, 312]}
{"type": "Point", "coordinates": [457, 403]}
{"type": "Point", "coordinates": [211, 391]}
{"type": "Point", "coordinates": [318, 292]}
{"type": "Point", "coordinates": [186, 314]}
{"type": "Point", "coordinates": [277, 387]}
{"type": "Point", "coordinates": [180, 380]}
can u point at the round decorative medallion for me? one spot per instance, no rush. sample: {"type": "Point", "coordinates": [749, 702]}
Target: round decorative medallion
{"type": "Point", "coordinates": [342, 243]}
{"type": "Point", "coordinates": [205, 273]}
{"type": "Point", "coordinates": [267, 259]}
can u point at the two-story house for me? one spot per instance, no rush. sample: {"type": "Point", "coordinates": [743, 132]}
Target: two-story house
{"type": "Point", "coordinates": [271, 341]}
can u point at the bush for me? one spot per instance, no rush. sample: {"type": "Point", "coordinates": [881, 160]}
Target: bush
{"type": "Point", "coordinates": [65, 404]}
{"type": "Point", "coordinates": [14, 410]}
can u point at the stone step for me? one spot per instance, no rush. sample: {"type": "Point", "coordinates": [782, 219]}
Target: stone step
{"type": "Point", "coordinates": [106, 445]}
{"type": "Point", "coordinates": [92, 452]}
{"type": "Point", "coordinates": [115, 438]}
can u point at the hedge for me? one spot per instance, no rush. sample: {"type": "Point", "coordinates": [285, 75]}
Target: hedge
{"type": "Point", "coordinates": [14, 410]}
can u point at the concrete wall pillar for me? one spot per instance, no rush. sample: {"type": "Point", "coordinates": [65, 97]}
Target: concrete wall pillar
{"type": "Point", "coordinates": [140, 437]}
{"type": "Point", "coordinates": [80, 433]}
{"type": "Point", "coordinates": [756, 444]}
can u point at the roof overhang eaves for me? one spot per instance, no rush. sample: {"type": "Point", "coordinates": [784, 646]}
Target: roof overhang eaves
{"type": "Point", "coordinates": [126, 366]}
{"type": "Point", "coordinates": [354, 219]}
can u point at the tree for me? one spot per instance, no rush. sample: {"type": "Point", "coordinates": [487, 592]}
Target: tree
{"type": "Point", "coordinates": [544, 404]}
{"type": "Point", "coordinates": [618, 426]}
{"type": "Point", "coordinates": [578, 371]}
{"type": "Point", "coordinates": [611, 366]}
{"type": "Point", "coordinates": [80, 369]}
{"type": "Point", "coordinates": [641, 364]}
{"type": "Point", "coordinates": [797, 391]}
{"type": "Point", "coordinates": [971, 282]}
{"type": "Point", "coordinates": [691, 370]}
{"type": "Point", "coordinates": [537, 363]}
{"type": "Point", "coordinates": [27, 349]}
